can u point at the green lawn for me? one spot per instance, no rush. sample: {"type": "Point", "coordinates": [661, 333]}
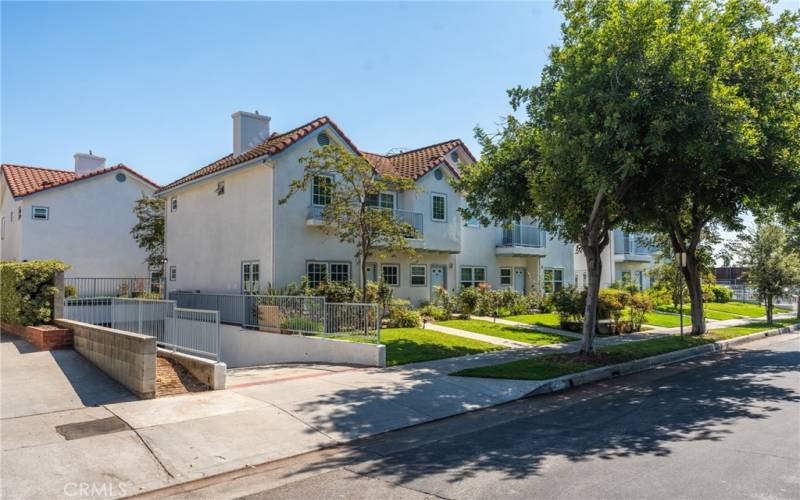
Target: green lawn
{"type": "Point", "coordinates": [412, 345]}
{"type": "Point", "coordinates": [709, 313]}
{"type": "Point", "coordinates": [520, 334]}
{"type": "Point", "coordinates": [555, 365]}
{"type": "Point", "coordinates": [544, 319]}
{"type": "Point", "coordinates": [741, 308]}
{"type": "Point", "coordinates": [665, 320]}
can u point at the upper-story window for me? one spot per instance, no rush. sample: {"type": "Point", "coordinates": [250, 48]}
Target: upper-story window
{"type": "Point", "coordinates": [439, 207]}
{"type": "Point", "coordinates": [40, 213]}
{"type": "Point", "coordinates": [220, 188]}
{"type": "Point", "coordinates": [173, 273]}
{"type": "Point", "coordinates": [173, 204]}
{"type": "Point", "coordinates": [381, 200]}
{"type": "Point", "coordinates": [454, 156]}
{"type": "Point", "coordinates": [321, 188]}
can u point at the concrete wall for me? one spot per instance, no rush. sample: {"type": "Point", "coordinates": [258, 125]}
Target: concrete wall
{"type": "Point", "coordinates": [253, 348]}
{"type": "Point", "coordinates": [128, 358]}
{"type": "Point", "coordinates": [88, 227]}
{"type": "Point", "coordinates": [209, 372]}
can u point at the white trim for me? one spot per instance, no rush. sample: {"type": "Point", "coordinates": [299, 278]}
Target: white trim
{"type": "Point", "coordinates": [411, 274]}
{"type": "Point", "coordinates": [39, 207]}
{"type": "Point", "coordinates": [311, 191]}
{"type": "Point", "coordinates": [399, 277]}
{"type": "Point", "coordinates": [440, 195]}
{"type": "Point", "coordinates": [510, 276]}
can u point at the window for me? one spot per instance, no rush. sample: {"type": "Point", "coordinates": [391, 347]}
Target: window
{"type": "Point", "coordinates": [41, 213]}
{"type": "Point", "coordinates": [173, 204]}
{"type": "Point", "coordinates": [418, 275]}
{"type": "Point", "coordinates": [321, 187]}
{"type": "Point", "coordinates": [437, 174]}
{"type": "Point", "coordinates": [472, 276]}
{"type": "Point", "coordinates": [120, 177]}
{"type": "Point", "coordinates": [340, 272]}
{"type": "Point", "coordinates": [390, 273]}
{"type": "Point", "coordinates": [173, 273]}
{"type": "Point", "coordinates": [382, 200]}
{"type": "Point", "coordinates": [439, 207]}
{"type": "Point", "coordinates": [251, 277]}
{"type": "Point", "coordinates": [505, 276]}
{"type": "Point", "coordinates": [454, 156]}
{"type": "Point", "coordinates": [317, 273]}
{"type": "Point", "coordinates": [220, 188]}
{"type": "Point", "coordinates": [553, 280]}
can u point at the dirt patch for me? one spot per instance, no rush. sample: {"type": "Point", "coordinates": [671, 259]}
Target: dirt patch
{"type": "Point", "coordinates": [173, 379]}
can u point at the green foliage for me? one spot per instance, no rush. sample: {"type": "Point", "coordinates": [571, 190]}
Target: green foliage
{"type": "Point", "coordinates": [443, 299]}
{"type": "Point", "coordinates": [149, 230]}
{"type": "Point", "coordinates": [436, 313]}
{"type": "Point", "coordinates": [336, 292]}
{"type": "Point", "coordinates": [27, 291]}
{"type": "Point", "coordinates": [70, 291]}
{"type": "Point", "coordinates": [569, 303]}
{"type": "Point", "coordinates": [716, 293]}
{"type": "Point", "coordinates": [468, 300]}
{"type": "Point", "coordinates": [403, 317]}
{"type": "Point", "coordinates": [348, 215]}
{"type": "Point", "coordinates": [640, 305]}
{"type": "Point", "coordinates": [301, 323]}
{"type": "Point", "coordinates": [612, 303]}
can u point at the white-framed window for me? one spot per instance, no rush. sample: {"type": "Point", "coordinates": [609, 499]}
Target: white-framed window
{"type": "Point", "coordinates": [553, 280]}
{"type": "Point", "coordinates": [320, 272]}
{"type": "Point", "coordinates": [505, 276]}
{"type": "Point", "coordinates": [40, 213]}
{"type": "Point", "coordinates": [251, 276]}
{"type": "Point", "coordinates": [220, 188]}
{"type": "Point", "coordinates": [381, 200]}
{"type": "Point", "coordinates": [419, 273]}
{"type": "Point", "coordinates": [390, 274]}
{"type": "Point", "coordinates": [454, 157]}
{"type": "Point", "coordinates": [317, 272]}
{"type": "Point", "coordinates": [321, 188]}
{"type": "Point", "coordinates": [173, 204]}
{"type": "Point", "coordinates": [339, 272]}
{"type": "Point", "coordinates": [173, 273]}
{"type": "Point", "coordinates": [439, 207]}
{"type": "Point", "coordinates": [472, 276]}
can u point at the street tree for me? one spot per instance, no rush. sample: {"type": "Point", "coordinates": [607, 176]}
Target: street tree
{"type": "Point", "coordinates": [773, 267]}
{"type": "Point", "coordinates": [149, 229]}
{"type": "Point", "coordinates": [729, 106]}
{"type": "Point", "coordinates": [350, 213]}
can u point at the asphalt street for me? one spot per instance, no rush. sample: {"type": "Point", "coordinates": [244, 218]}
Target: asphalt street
{"type": "Point", "coordinates": [719, 427]}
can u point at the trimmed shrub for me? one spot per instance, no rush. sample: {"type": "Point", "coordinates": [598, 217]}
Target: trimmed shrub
{"type": "Point", "coordinates": [611, 303]}
{"type": "Point", "coordinates": [640, 305]}
{"type": "Point", "coordinates": [467, 300]}
{"type": "Point", "coordinates": [402, 317]}
{"type": "Point", "coordinates": [718, 293]}
{"type": "Point", "coordinates": [434, 313]}
{"type": "Point", "coordinates": [443, 299]}
{"type": "Point", "coordinates": [337, 292]}
{"type": "Point", "coordinates": [569, 303]}
{"type": "Point", "coordinates": [27, 291]}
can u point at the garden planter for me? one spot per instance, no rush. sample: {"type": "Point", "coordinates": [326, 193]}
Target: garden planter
{"type": "Point", "coordinates": [44, 337]}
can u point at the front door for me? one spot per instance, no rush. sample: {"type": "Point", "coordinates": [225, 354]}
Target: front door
{"type": "Point", "coordinates": [438, 277]}
{"type": "Point", "coordinates": [519, 280]}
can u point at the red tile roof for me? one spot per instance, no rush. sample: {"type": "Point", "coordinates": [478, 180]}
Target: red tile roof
{"type": "Point", "coordinates": [412, 164]}
{"type": "Point", "coordinates": [23, 180]}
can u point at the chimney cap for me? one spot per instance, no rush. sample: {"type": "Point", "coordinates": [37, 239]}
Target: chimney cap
{"type": "Point", "coordinates": [251, 115]}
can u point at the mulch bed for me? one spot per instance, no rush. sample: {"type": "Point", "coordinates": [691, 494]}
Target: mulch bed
{"type": "Point", "coordinates": [172, 379]}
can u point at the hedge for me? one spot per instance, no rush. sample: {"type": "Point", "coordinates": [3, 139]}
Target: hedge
{"type": "Point", "coordinates": [27, 291]}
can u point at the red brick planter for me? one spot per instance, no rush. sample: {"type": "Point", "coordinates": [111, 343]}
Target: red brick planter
{"type": "Point", "coordinates": [44, 337]}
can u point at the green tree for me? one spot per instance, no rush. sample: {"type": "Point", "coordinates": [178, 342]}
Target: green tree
{"type": "Point", "coordinates": [149, 230]}
{"type": "Point", "coordinates": [773, 268]}
{"type": "Point", "coordinates": [349, 213]}
{"type": "Point", "coordinates": [581, 151]}
{"type": "Point", "coordinates": [726, 96]}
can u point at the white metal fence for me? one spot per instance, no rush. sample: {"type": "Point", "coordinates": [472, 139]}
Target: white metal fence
{"type": "Point", "coordinates": [188, 330]}
{"type": "Point", "coordinates": [303, 315]}
{"type": "Point", "coordinates": [114, 287]}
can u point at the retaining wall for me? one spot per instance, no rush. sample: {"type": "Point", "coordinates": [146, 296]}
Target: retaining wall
{"type": "Point", "coordinates": [128, 358]}
{"type": "Point", "coordinates": [242, 347]}
{"type": "Point", "coordinates": [209, 372]}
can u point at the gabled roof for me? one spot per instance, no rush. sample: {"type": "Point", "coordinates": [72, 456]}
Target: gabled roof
{"type": "Point", "coordinates": [413, 164]}
{"type": "Point", "coordinates": [23, 180]}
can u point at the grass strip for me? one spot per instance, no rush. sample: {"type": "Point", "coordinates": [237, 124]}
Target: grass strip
{"type": "Point", "coordinates": [517, 333]}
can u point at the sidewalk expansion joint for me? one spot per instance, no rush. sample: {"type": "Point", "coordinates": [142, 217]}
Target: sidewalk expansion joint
{"type": "Point", "coordinates": [147, 446]}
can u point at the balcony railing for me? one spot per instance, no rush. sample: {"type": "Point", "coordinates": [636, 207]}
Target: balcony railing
{"type": "Point", "coordinates": [629, 244]}
{"type": "Point", "coordinates": [414, 219]}
{"type": "Point", "coordinates": [521, 235]}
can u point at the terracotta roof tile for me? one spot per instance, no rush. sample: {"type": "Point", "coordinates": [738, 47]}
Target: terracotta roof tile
{"type": "Point", "coordinates": [23, 180]}
{"type": "Point", "coordinates": [413, 164]}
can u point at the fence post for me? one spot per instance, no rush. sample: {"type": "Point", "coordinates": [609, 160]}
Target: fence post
{"type": "Point", "coordinates": [140, 304]}
{"type": "Point", "coordinates": [378, 318]}
{"type": "Point", "coordinates": [219, 339]}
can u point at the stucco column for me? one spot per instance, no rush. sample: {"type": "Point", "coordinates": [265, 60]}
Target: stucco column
{"type": "Point", "coordinates": [58, 298]}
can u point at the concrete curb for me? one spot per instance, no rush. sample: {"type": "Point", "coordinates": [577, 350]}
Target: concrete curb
{"type": "Point", "coordinates": [639, 365]}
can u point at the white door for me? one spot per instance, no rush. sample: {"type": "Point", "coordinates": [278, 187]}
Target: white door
{"type": "Point", "coordinates": [519, 280]}
{"type": "Point", "coordinates": [438, 277]}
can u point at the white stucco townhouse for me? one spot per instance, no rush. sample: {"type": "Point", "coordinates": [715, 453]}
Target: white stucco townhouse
{"type": "Point", "coordinates": [226, 232]}
{"type": "Point", "coordinates": [626, 259]}
{"type": "Point", "coordinates": [82, 217]}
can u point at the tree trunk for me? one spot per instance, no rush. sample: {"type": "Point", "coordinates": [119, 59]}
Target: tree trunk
{"type": "Point", "coordinates": [594, 267]}
{"type": "Point", "coordinates": [694, 286]}
{"type": "Point", "coordinates": [769, 310]}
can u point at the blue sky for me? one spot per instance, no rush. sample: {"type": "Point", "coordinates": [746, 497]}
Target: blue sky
{"type": "Point", "coordinates": [153, 85]}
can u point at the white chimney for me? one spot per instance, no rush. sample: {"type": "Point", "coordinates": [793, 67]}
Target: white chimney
{"type": "Point", "coordinates": [87, 163]}
{"type": "Point", "coordinates": [249, 130]}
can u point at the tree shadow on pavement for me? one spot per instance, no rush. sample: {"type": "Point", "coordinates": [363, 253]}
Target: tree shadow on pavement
{"type": "Point", "coordinates": [698, 404]}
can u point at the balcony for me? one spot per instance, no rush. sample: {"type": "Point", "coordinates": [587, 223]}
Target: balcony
{"type": "Point", "coordinates": [629, 247]}
{"type": "Point", "coordinates": [414, 219]}
{"type": "Point", "coordinates": [521, 240]}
